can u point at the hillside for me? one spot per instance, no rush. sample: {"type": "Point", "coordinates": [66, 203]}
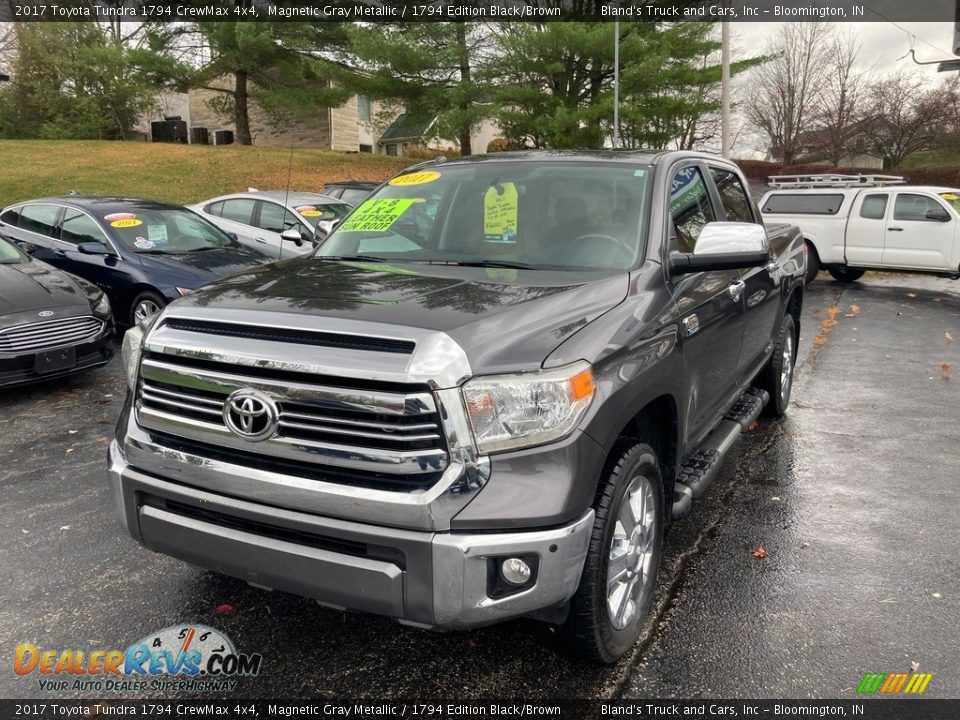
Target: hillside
{"type": "Point", "coordinates": [177, 173]}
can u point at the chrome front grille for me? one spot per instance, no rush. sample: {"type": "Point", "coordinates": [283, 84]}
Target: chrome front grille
{"type": "Point", "coordinates": [345, 425]}
{"type": "Point", "coordinates": [49, 334]}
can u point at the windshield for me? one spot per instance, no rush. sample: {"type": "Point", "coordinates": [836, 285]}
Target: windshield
{"type": "Point", "coordinates": [9, 254]}
{"type": "Point", "coordinates": [313, 214]}
{"type": "Point", "coordinates": [166, 231]}
{"type": "Point", "coordinates": [537, 215]}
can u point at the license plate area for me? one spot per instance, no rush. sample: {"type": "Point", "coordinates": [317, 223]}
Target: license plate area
{"type": "Point", "coordinates": [51, 361]}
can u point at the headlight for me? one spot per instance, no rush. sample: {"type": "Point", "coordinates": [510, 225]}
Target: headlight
{"type": "Point", "coordinates": [103, 305]}
{"type": "Point", "coordinates": [132, 348]}
{"type": "Point", "coordinates": [513, 411]}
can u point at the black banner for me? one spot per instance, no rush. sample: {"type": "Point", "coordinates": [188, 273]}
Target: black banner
{"type": "Point", "coordinates": [135, 11]}
{"type": "Point", "coordinates": [869, 709]}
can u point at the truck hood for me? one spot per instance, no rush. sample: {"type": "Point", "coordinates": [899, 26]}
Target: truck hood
{"type": "Point", "coordinates": [504, 319]}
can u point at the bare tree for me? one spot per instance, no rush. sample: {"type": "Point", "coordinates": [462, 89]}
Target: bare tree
{"type": "Point", "coordinates": [903, 117]}
{"type": "Point", "coordinates": [788, 87]}
{"type": "Point", "coordinates": [840, 102]}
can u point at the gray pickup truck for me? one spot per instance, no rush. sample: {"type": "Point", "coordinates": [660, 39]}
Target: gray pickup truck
{"type": "Point", "coordinates": [484, 396]}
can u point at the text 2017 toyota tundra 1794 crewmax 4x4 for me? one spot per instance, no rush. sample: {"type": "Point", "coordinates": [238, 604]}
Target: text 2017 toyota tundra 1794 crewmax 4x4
{"type": "Point", "coordinates": [484, 396]}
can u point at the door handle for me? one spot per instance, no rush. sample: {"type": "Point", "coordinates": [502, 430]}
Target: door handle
{"type": "Point", "coordinates": [736, 290]}
{"type": "Point", "coordinates": [895, 229]}
{"type": "Point", "coordinates": [261, 240]}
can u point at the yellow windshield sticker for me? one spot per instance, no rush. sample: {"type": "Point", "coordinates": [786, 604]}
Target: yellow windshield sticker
{"type": "Point", "coordinates": [311, 213]}
{"type": "Point", "coordinates": [129, 222]}
{"type": "Point", "coordinates": [500, 213]}
{"type": "Point", "coordinates": [950, 196]}
{"type": "Point", "coordinates": [416, 178]}
{"type": "Point", "coordinates": [377, 215]}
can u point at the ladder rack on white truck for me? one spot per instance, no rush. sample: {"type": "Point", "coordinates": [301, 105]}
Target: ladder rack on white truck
{"type": "Point", "coordinates": [832, 180]}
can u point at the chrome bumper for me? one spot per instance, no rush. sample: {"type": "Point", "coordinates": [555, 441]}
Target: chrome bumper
{"type": "Point", "coordinates": [426, 578]}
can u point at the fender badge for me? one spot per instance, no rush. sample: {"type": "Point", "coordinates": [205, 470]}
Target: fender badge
{"type": "Point", "coordinates": [691, 323]}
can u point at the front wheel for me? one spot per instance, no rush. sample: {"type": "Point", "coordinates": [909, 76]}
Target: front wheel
{"type": "Point", "coordinates": [620, 574]}
{"type": "Point", "coordinates": [777, 376]}
{"type": "Point", "coordinates": [144, 305]}
{"type": "Point", "coordinates": [845, 273]}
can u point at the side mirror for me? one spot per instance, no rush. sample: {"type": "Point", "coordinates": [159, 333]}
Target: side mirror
{"type": "Point", "coordinates": [292, 235]}
{"type": "Point", "coordinates": [325, 227]}
{"type": "Point", "coordinates": [937, 214]}
{"type": "Point", "coordinates": [724, 246]}
{"type": "Point", "coordinates": [93, 248]}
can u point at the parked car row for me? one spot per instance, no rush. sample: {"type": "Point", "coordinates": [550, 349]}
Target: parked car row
{"type": "Point", "coordinates": [72, 265]}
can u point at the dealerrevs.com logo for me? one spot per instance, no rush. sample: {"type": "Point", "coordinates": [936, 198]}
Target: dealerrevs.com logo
{"type": "Point", "coordinates": [191, 658]}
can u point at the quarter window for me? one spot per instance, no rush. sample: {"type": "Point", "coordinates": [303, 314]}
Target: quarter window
{"type": "Point", "coordinates": [874, 207]}
{"type": "Point", "coordinates": [804, 204]}
{"type": "Point", "coordinates": [690, 207]}
{"type": "Point", "coordinates": [11, 217]}
{"type": "Point", "coordinates": [214, 209]}
{"type": "Point", "coordinates": [733, 197]}
{"type": "Point", "coordinates": [41, 219]}
{"type": "Point", "coordinates": [78, 227]}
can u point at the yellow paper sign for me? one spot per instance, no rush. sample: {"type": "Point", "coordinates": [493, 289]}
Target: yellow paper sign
{"type": "Point", "coordinates": [417, 178]}
{"type": "Point", "coordinates": [500, 213]}
{"type": "Point", "coordinates": [311, 213]}
{"type": "Point", "coordinates": [129, 222]}
{"type": "Point", "coordinates": [377, 215]}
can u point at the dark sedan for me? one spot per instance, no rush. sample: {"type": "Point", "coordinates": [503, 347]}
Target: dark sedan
{"type": "Point", "coordinates": [142, 253]}
{"type": "Point", "coordinates": [51, 324]}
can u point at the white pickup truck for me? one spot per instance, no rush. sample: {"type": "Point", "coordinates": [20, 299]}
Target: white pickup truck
{"type": "Point", "coordinates": [852, 224]}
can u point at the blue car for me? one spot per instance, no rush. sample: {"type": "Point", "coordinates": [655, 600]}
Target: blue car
{"type": "Point", "coordinates": [142, 253]}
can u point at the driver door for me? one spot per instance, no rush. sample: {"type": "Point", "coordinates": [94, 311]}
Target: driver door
{"type": "Point", "coordinates": [914, 240]}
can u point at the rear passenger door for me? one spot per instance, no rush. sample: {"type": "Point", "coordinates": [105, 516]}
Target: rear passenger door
{"type": "Point", "coordinates": [710, 305]}
{"type": "Point", "coordinates": [761, 285]}
{"type": "Point", "coordinates": [866, 229]}
{"type": "Point", "coordinates": [236, 216]}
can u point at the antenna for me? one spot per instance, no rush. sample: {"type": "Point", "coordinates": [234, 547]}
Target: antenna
{"type": "Point", "coordinates": [286, 196]}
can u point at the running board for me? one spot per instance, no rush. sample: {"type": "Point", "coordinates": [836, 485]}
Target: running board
{"type": "Point", "coordinates": [702, 467]}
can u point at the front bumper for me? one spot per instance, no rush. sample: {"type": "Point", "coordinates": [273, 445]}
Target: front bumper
{"type": "Point", "coordinates": [19, 369]}
{"type": "Point", "coordinates": [432, 579]}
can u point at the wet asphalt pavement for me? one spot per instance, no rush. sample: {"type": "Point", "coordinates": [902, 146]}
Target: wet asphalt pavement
{"type": "Point", "coordinates": [852, 496]}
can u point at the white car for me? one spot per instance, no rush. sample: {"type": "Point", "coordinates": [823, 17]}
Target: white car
{"type": "Point", "coordinates": [852, 224]}
{"type": "Point", "coordinates": [277, 223]}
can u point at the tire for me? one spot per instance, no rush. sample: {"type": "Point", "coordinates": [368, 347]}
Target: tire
{"type": "Point", "coordinates": [596, 632]}
{"type": "Point", "coordinates": [813, 262]}
{"type": "Point", "coordinates": [141, 304]}
{"type": "Point", "coordinates": [845, 273]}
{"type": "Point", "coordinates": [777, 377]}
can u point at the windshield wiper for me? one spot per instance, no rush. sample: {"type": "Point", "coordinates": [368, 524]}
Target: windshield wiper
{"type": "Point", "coordinates": [156, 252]}
{"type": "Point", "coordinates": [351, 258]}
{"type": "Point", "coordinates": [488, 263]}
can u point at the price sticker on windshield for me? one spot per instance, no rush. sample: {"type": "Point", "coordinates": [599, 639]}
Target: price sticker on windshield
{"type": "Point", "coordinates": [377, 215]}
{"type": "Point", "coordinates": [128, 222]}
{"type": "Point", "coordinates": [500, 204]}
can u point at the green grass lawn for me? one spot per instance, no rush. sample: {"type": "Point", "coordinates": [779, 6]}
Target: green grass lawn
{"type": "Point", "coordinates": [176, 173]}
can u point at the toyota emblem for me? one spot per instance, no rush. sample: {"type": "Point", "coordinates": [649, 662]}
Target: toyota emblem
{"type": "Point", "coordinates": [45, 313]}
{"type": "Point", "coordinates": [251, 415]}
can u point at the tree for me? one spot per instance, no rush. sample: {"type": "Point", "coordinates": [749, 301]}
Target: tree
{"type": "Point", "coordinates": [903, 117]}
{"type": "Point", "coordinates": [839, 109]}
{"type": "Point", "coordinates": [73, 80]}
{"type": "Point", "coordinates": [429, 69]}
{"type": "Point", "coordinates": [268, 62]}
{"type": "Point", "coordinates": [788, 88]}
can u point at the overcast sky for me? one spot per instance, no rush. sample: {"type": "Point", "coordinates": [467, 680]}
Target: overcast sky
{"type": "Point", "coordinates": [883, 46]}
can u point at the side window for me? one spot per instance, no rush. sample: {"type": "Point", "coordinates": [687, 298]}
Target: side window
{"type": "Point", "coordinates": [690, 207]}
{"type": "Point", "coordinates": [11, 217]}
{"type": "Point", "coordinates": [874, 206]}
{"type": "Point", "coordinates": [214, 209]}
{"type": "Point", "coordinates": [913, 207]}
{"type": "Point", "coordinates": [733, 197]}
{"type": "Point", "coordinates": [239, 210]}
{"type": "Point", "coordinates": [275, 218]}
{"type": "Point", "coordinates": [79, 228]}
{"type": "Point", "coordinates": [353, 196]}
{"type": "Point", "coordinates": [40, 219]}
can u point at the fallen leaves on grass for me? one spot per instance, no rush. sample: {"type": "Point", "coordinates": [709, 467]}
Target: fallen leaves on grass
{"type": "Point", "coordinates": [760, 553]}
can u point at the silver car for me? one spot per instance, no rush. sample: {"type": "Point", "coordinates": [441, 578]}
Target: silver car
{"type": "Point", "coordinates": [277, 223]}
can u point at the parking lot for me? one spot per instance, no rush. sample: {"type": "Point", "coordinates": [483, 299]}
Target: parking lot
{"type": "Point", "coordinates": [852, 498]}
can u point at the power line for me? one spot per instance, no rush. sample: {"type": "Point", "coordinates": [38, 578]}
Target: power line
{"type": "Point", "coordinates": [913, 37]}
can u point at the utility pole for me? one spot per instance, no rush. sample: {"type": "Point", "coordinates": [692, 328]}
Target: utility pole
{"type": "Point", "coordinates": [616, 83]}
{"type": "Point", "coordinates": [725, 88]}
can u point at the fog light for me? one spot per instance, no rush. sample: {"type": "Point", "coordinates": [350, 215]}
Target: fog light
{"type": "Point", "coordinates": [515, 571]}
